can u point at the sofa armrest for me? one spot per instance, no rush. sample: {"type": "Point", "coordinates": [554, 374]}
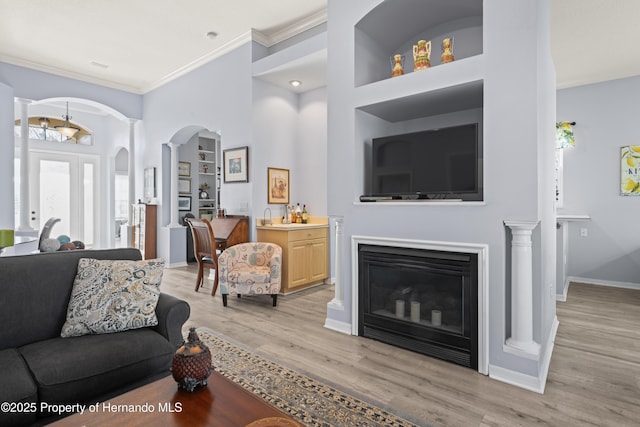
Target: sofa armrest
{"type": "Point", "coordinates": [172, 313]}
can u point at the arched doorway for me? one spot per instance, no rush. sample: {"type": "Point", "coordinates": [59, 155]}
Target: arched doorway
{"type": "Point", "coordinates": [71, 179]}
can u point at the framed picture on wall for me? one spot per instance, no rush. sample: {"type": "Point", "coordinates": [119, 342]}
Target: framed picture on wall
{"type": "Point", "coordinates": [235, 163]}
{"type": "Point", "coordinates": [630, 170]}
{"type": "Point", "coordinates": [184, 185]}
{"type": "Point", "coordinates": [184, 169]}
{"type": "Point", "coordinates": [278, 186]}
{"type": "Point", "coordinates": [184, 203]}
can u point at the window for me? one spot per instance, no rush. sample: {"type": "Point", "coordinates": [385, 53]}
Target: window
{"type": "Point", "coordinates": [38, 132]}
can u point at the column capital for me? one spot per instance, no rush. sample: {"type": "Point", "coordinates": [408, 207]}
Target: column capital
{"type": "Point", "coordinates": [24, 101]}
{"type": "Point", "coordinates": [519, 225]}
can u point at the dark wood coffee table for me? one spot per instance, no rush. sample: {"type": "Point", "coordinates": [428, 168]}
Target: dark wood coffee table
{"type": "Point", "coordinates": [221, 403]}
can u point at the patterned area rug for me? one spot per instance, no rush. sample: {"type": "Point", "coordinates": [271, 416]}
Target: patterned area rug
{"type": "Point", "coordinates": [309, 401]}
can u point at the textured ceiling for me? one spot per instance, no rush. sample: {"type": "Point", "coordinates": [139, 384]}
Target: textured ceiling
{"type": "Point", "coordinates": [137, 45]}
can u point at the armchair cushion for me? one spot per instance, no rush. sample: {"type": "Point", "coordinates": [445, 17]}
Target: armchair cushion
{"type": "Point", "coordinates": [255, 280]}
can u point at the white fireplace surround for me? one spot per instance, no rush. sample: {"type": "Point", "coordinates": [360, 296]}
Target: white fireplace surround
{"type": "Point", "coordinates": [482, 252]}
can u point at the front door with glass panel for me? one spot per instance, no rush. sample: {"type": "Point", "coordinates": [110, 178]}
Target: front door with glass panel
{"type": "Point", "coordinates": [65, 186]}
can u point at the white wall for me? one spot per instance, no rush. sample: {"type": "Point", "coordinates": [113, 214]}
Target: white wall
{"type": "Point", "coordinates": [275, 119]}
{"type": "Point", "coordinates": [606, 119]}
{"type": "Point", "coordinates": [37, 85]}
{"type": "Point", "coordinates": [311, 158]}
{"type": "Point", "coordinates": [515, 123]}
{"type": "Point", "coordinates": [282, 129]}
{"type": "Point", "coordinates": [34, 85]}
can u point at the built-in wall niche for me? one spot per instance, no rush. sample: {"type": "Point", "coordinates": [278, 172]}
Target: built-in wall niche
{"type": "Point", "coordinates": [370, 127]}
{"type": "Point", "coordinates": [209, 174]}
{"type": "Point", "coordinates": [388, 30]}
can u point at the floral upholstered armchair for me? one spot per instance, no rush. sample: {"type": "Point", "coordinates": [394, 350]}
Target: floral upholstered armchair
{"type": "Point", "coordinates": [250, 269]}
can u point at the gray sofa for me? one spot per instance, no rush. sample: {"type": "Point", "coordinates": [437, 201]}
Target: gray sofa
{"type": "Point", "coordinates": [38, 367]}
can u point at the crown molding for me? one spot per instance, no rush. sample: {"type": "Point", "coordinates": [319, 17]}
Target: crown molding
{"type": "Point", "coordinates": [69, 74]}
{"type": "Point", "coordinates": [298, 27]}
{"type": "Point", "coordinates": [216, 53]}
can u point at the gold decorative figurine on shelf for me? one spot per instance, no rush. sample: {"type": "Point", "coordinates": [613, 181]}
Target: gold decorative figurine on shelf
{"type": "Point", "coordinates": [421, 55]}
{"type": "Point", "coordinates": [447, 50]}
{"type": "Point", "coordinates": [397, 65]}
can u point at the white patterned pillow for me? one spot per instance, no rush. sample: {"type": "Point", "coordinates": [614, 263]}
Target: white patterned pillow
{"type": "Point", "coordinates": [112, 296]}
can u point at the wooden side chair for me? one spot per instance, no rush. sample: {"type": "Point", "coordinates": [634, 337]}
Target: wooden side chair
{"type": "Point", "coordinates": [204, 249]}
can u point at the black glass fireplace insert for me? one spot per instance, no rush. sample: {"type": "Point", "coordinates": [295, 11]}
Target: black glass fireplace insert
{"type": "Point", "coordinates": [420, 299]}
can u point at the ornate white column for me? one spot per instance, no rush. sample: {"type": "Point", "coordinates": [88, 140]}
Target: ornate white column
{"type": "Point", "coordinates": [132, 167]}
{"type": "Point", "coordinates": [174, 186]}
{"type": "Point", "coordinates": [126, 230]}
{"type": "Point", "coordinates": [337, 302]}
{"type": "Point", "coordinates": [521, 338]}
{"type": "Point", "coordinates": [25, 201]}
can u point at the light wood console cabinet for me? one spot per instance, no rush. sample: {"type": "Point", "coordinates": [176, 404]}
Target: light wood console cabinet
{"type": "Point", "coordinates": [305, 253]}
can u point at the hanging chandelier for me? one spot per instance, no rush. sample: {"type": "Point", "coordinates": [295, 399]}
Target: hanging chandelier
{"type": "Point", "coordinates": [67, 129]}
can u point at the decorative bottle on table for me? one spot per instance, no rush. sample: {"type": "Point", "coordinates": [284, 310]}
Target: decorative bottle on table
{"type": "Point", "coordinates": [298, 214]}
{"type": "Point", "coordinates": [191, 365]}
{"type": "Point", "coordinates": [422, 55]}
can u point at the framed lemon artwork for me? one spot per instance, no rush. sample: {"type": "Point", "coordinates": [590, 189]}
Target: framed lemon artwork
{"type": "Point", "coordinates": [630, 170]}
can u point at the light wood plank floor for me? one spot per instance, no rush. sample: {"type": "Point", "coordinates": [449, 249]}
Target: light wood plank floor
{"type": "Point", "coordinates": [594, 377]}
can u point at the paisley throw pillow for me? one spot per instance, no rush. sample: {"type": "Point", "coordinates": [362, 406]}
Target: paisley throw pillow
{"type": "Point", "coordinates": [112, 296]}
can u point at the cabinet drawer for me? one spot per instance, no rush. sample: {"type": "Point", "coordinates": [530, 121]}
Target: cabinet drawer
{"type": "Point", "coordinates": [310, 233]}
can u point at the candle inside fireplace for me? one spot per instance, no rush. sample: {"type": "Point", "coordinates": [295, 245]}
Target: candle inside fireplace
{"type": "Point", "coordinates": [399, 308]}
{"type": "Point", "coordinates": [415, 311]}
{"type": "Point", "coordinates": [436, 317]}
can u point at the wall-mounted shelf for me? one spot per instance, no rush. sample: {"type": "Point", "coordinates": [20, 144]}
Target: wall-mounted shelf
{"type": "Point", "coordinates": [415, 20]}
{"type": "Point", "coordinates": [443, 95]}
{"type": "Point", "coordinates": [207, 158]}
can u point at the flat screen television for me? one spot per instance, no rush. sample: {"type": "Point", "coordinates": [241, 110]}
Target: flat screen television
{"type": "Point", "coordinates": [444, 163]}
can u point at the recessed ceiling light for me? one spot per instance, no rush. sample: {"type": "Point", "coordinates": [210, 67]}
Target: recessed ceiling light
{"type": "Point", "coordinates": [212, 35]}
{"type": "Point", "coordinates": [295, 83]}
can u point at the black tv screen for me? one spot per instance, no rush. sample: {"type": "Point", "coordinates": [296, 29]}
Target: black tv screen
{"type": "Point", "coordinates": [438, 163]}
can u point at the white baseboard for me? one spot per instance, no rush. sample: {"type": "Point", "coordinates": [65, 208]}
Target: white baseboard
{"type": "Point", "coordinates": [334, 325]}
{"type": "Point", "coordinates": [598, 282]}
{"type": "Point", "coordinates": [563, 297]}
{"type": "Point", "coordinates": [177, 264]}
{"type": "Point", "coordinates": [529, 382]}
{"type": "Point", "coordinates": [546, 361]}
{"type": "Point", "coordinates": [518, 379]}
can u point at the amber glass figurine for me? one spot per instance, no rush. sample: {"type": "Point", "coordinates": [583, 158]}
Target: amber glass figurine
{"type": "Point", "coordinates": [422, 55]}
{"type": "Point", "coordinates": [397, 65]}
{"type": "Point", "coordinates": [447, 50]}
